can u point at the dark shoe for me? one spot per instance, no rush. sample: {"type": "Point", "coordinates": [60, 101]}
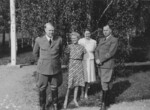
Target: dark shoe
{"type": "Point", "coordinates": [55, 98]}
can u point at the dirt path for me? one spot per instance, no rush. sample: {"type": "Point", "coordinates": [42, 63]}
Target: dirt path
{"type": "Point", "coordinates": [17, 92]}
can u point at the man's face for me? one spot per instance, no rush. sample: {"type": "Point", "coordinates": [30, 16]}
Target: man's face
{"type": "Point", "coordinates": [87, 34]}
{"type": "Point", "coordinates": [106, 31]}
{"type": "Point", "coordinates": [49, 30]}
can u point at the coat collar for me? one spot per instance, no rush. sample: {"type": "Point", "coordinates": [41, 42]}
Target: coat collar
{"type": "Point", "coordinates": [104, 40]}
{"type": "Point", "coordinates": [53, 42]}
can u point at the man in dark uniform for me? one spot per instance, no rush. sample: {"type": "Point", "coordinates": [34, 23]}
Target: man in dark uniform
{"type": "Point", "coordinates": [49, 48]}
{"type": "Point", "coordinates": [104, 56]}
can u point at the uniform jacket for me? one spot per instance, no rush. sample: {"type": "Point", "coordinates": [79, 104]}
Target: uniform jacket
{"type": "Point", "coordinates": [49, 55]}
{"type": "Point", "coordinates": [106, 50]}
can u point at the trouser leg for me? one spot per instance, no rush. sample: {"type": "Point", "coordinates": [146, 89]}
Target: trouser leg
{"type": "Point", "coordinates": [107, 100]}
{"type": "Point", "coordinates": [55, 81]}
{"type": "Point", "coordinates": [54, 97]}
{"type": "Point", "coordinates": [105, 97]}
{"type": "Point", "coordinates": [42, 99]}
{"type": "Point", "coordinates": [42, 84]}
{"type": "Point", "coordinates": [105, 90]}
{"type": "Point", "coordinates": [105, 75]}
{"type": "Point", "coordinates": [103, 105]}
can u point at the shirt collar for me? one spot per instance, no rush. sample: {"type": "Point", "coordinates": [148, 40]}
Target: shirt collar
{"type": "Point", "coordinates": [108, 36]}
{"type": "Point", "coordinates": [48, 38]}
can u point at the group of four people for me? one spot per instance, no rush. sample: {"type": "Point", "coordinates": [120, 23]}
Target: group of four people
{"type": "Point", "coordinates": [83, 54]}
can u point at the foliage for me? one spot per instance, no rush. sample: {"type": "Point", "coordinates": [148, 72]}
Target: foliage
{"type": "Point", "coordinates": [129, 18]}
{"type": "Point", "coordinates": [4, 15]}
{"type": "Point", "coordinates": [126, 19]}
{"type": "Point", "coordinates": [65, 15]}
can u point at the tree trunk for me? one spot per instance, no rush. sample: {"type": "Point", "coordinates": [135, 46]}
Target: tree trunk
{"type": "Point", "coordinates": [13, 32]}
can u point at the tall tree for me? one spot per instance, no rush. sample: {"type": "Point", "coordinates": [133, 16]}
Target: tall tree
{"type": "Point", "coordinates": [129, 20]}
{"type": "Point", "coordinates": [4, 18]}
{"type": "Point", "coordinates": [65, 15]}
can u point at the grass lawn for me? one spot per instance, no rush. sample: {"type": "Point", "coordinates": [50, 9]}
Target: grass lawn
{"type": "Point", "coordinates": [133, 85]}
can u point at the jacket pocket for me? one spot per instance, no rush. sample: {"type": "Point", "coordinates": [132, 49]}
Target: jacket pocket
{"type": "Point", "coordinates": [42, 49]}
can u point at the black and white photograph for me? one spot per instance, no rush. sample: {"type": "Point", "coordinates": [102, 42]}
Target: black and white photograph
{"type": "Point", "coordinates": [74, 54]}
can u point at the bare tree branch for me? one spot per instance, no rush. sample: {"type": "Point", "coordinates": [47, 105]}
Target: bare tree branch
{"type": "Point", "coordinates": [105, 10]}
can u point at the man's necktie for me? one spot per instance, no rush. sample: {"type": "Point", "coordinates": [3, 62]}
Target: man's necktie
{"type": "Point", "coordinates": [50, 42]}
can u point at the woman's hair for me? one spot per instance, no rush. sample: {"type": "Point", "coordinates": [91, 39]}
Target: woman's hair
{"type": "Point", "coordinates": [75, 34]}
{"type": "Point", "coordinates": [87, 29]}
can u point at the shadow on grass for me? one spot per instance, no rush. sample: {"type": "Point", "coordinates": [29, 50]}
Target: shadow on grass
{"type": "Point", "coordinates": [123, 89]}
{"type": "Point", "coordinates": [70, 99]}
{"type": "Point", "coordinates": [117, 89]}
{"type": "Point", "coordinates": [94, 94]}
{"type": "Point", "coordinates": [95, 88]}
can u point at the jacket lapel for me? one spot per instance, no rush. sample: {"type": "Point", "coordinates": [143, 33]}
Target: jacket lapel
{"type": "Point", "coordinates": [54, 41]}
{"type": "Point", "coordinates": [105, 40]}
{"type": "Point", "coordinates": [45, 40]}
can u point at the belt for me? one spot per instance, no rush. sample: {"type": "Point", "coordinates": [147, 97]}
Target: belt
{"type": "Point", "coordinates": [74, 59]}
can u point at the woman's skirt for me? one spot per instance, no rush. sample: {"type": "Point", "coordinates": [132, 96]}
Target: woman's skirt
{"type": "Point", "coordinates": [76, 73]}
{"type": "Point", "coordinates": [89, 70]}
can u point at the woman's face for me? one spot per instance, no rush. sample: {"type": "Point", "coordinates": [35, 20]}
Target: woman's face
{"type": "Point", "coordinates": [74, 39]}
{"type": "Point", "coordinates": [87, 34]}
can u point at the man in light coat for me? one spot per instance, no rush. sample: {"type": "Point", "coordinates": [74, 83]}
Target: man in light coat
{"type": "Point", "coordinates": [49, 49]}
{"type": "Point", "coordinates": [104, 56]}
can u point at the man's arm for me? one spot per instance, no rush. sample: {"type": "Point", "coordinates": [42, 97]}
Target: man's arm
{"type": "Point", "coordinates": [36, 49]}
{"type": "Point", "coordinates": [97, 51]}
{"type": "Point", "coordinates": [97, 55]}
{"type": "Point", "coordinates": [61, 48]}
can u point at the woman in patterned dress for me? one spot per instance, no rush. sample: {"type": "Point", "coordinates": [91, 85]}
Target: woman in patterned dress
{"type": "Point", "coordinates": [88, 61]}
{"type": "Point", "coordinates": [76, 75]}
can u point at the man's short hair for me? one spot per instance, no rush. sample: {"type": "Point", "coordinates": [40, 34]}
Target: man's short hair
{"type": "Point", "coordinates": [106, 26]}
{"type": "Point", "coordinates": [48, 24]}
